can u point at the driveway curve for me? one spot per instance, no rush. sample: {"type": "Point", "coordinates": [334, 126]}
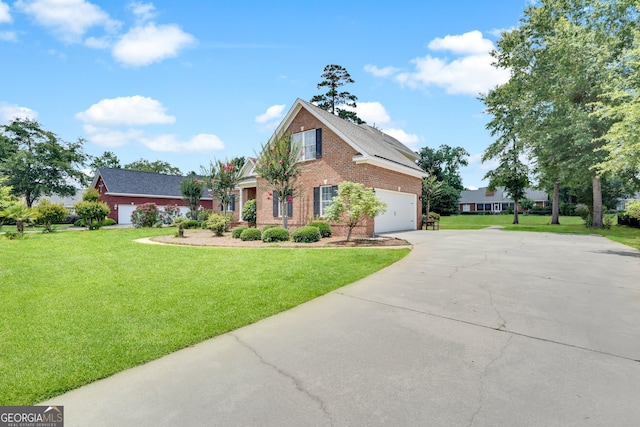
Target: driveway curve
{"type": "Point", "coordinates": [472, 328]}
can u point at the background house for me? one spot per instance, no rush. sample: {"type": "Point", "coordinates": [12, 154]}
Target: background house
{"type": "Point", "coordinates": [122, 190]}
{"type": "Point", "coordinates": [337, 150]}
{"type": "Point", "coordinates": [485, 200]}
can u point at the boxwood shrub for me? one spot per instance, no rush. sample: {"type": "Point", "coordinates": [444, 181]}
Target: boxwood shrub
{"type": "Point", "coordinates": [306, 234]}
{"type": "Point", "coordinates": [275, 234]}
{"type": "Point", "coordinates": [236, 232]}
{"type": "Point", "coordinates": [251, 234]}
{"type": "Point", "coordinates": [190, 223]}
{"type": "Point", "coordinates": [325, 228]}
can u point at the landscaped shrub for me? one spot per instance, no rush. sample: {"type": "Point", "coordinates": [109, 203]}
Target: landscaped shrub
{"type": "Point", "coordinates": [107, 222]}
{"type": "Point", "coordinates": [275, 234]}
{"type": "Point", "coordinates": [582, 211]}
{"type": "Point", "coordinates": [170, 214]}
{"type": "Point", "coordinates": [266, 227]}
{"type": "Point", "coordinates": [70, 219]}
{"type": "Point", "coordinates": [145, 215]}
{"type": "Point", "coordinates": [325, 228]}
{"type": "Point", "coordinates": [190, 223]}
{"type": "Point", "coordinates": [80, 223]}
{"type": "Point", "coordinates": [251, 234]}
{"type": "Point", "coordinates": [306, 234]}
{"type": "Point", "coordinates": [203, 215]}
{"type": "Point", "coordinates": [50, 213]}
{"type": "Point", "coordinates": [633, 209]}
{"type": "Point", "coordinates": [249, 212]}
{"type": "Point", "coordinates": [218, 223]}
{"type": "Point", "coordinates": [567, 209]}
{"type": "Point", "coordinates": [236, 232]}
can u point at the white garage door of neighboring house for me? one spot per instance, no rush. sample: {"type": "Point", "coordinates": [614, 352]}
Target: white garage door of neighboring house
{"type": "Point", "coordinates": [400, 214]}
{"type": "Point", "coordinates": [124, 213]}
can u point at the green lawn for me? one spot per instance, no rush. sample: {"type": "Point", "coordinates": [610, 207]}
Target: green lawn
{"type": "Point", "coordinates": [568, 224]}
{"type": "Point", "coordinates": [79, 306]}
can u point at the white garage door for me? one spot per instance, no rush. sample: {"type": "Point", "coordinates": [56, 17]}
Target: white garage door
{"type": "Point", "coordinates": [124, 213]}
{"type": "Point", "coordinates": [401, 211]}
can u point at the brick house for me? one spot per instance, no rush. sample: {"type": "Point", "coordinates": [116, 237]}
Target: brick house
{"type": "Point", "coordinates": [496, 201]}
{"type": "Point", "coordinates": [122, 190]}
{"type": "Point", "coordinates": [337, 150]}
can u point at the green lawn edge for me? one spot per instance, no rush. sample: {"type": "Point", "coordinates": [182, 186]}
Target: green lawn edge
{"type": "Point", "coordinates": [81, 306]}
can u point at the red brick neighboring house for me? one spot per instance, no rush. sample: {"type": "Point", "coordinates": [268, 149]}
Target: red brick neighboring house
{"type": "Point", "coordinates": [337, 150]}
{"type": "Point", "coordinates": [122, 190]}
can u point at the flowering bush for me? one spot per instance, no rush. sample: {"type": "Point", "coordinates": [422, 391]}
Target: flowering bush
{"type": "Point", "coordinates": [170, 214]}
{"type": "Point", "coordinates": [145, 215]}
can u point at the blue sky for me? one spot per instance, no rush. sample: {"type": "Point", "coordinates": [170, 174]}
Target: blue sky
{"type": "Point", "coordinates": [190, 81]}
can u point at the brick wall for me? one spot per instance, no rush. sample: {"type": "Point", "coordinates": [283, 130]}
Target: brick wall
{"type": "Point", "coordinates": [335, 166]}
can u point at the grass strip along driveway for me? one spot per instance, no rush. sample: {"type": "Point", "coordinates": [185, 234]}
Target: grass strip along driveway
{"type": "Point", "coordinates": [79, 306]}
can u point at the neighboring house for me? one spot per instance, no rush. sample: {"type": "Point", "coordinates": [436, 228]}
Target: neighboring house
{"type": "Point", "coordinates": [622, 203]}
{"type": "Point", "coordinates": [485, 200]}
{"type": "Point", "coordinates": [122, 190]}
{"type": "Point", "coordinates": [336, 150]}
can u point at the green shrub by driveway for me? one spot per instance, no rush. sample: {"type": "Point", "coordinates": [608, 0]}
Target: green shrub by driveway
{"type": "Point", "coordinates": [275, 234]}
{"type": "Point", "coordinates": [306, 234]}
{"type": "Point", "coordinates": [251, 234]}
{"type": "Point", "coordinates": [79, 306]}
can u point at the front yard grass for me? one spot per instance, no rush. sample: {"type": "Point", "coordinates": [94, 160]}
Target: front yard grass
{"type": "Point", "coordinates": [79, 306]}
{"type": "Point", "coordinates": [568, 224]}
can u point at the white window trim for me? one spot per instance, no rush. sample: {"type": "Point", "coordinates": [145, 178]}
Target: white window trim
{"type": "Point", "coordinates": [322, 206]}
{"type": "Point", "coordinates": [304, 134]}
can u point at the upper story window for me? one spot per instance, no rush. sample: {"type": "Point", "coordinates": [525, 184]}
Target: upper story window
{"type": "Point", "coordinates": [311, 143]}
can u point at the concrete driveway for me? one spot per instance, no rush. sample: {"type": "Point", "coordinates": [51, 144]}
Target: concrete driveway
{"type": "Point", "coordinates": [473, 328]}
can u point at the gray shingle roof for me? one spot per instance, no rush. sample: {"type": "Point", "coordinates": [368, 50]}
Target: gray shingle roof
{"type": "Point", "coordinates": [124, 181]}
{"type": "Point", "coordinates": [480, 196]}
{"type": "Point", "coordinates": [368, 140]}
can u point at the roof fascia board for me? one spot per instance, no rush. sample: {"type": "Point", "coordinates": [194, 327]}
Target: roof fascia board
{"type": "Point", "coordinates": [150, 196]}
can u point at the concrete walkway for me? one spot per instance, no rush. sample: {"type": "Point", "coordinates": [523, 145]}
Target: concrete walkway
{"type": "Point", "coordinates": [473, 328]}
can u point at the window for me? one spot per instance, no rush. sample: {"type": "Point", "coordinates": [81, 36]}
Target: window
{"type": "Point", "coordinates": [311, 142]}
{"type": "Point", "coordinates": [323, 198]}
{"type": "Point", "coordinates": [326, 198]}
{"type": "Point", "coordinates": [277, 212]}
{"type": "Point", "coordinates": [466, 207]}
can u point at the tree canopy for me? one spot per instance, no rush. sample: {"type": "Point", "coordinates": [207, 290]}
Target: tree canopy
{"type": "Point", "coordinates": [108, 159]}
{"type": "Point", "coordinates": [37, 163]}
{"type": "Point", "coordinates": [278, 164]}
{"type": "Point", "coordinates": [336, 76]}
{"type": "Point", "coordinates": [443, 166]}
{"type": "Point", "coordinates": [560, 58]}
{"type": "Point", "coordinates": [157, 166]}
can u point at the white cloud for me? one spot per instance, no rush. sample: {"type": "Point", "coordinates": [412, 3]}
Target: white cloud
{"type": "Point", "coordinates": [143, 11]}
{"type": "Point", "coordinates": [68, 19]}
{"type": "Point", "coordinates": [128, 111]}
{"type": "Point", "coordinates": [8, 36]}
{"type": "Point", "coordinates": [5, 16]}
{"type": "Point", "coordinates": [150, 43]}
{"type": "Point", "coordinates": [273, 113]}
{"type": "Point", "coordinates": [376, 115]}
{"type": "Point", "coordinates": [410, 140]}
{"type": "Point", "coordinates": [469, 73]}
{"type": "Point", "coordinates": [381, 72]}
{"type": "Point", "coordinates": [201, 143]}
{"type": "Point", "coordinates": [9, 112]}
{"type": "Point", "coordinates": [471, 43]}
{"type": "Point", "coordinates": [111, 138]}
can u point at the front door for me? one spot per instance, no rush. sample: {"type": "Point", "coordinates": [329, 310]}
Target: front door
{"type": "Point", "coordinates": [497, 207]}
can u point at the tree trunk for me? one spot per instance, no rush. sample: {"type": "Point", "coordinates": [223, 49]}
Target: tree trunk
{"type": "Point", "coordinates": [349, 233]}
{"type": "Point", "coordinates": [20, 226]}
{"type": "Point", "coordinates": [555, 207]}
{"type": "Point", "coordinates": [283, 211]}
{"type": "Point", "coordinates": [515, 212]}
{"type": "Point", "coordinates": [597, 203]}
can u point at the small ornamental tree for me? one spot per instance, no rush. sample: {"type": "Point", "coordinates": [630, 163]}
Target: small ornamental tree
{"type": "Point", "coordinates": [50, 213]}
{"type": "Point", "coordinates": [633, 209]}
{"type": "Point", "coordinates": [6, 198]}
{"type": "Point", "coordinates": [278, 165]}
{"type": "Point", "coordinates": [353, 204]}
{"type": "Point", "coordinates": [20, 213]}
{"type": "Point", "coordinates": [222, 178]}
{"type": "Point", "coordinates": [90, 209]}
{"type": "Point", "coordinates": [192, 189]}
